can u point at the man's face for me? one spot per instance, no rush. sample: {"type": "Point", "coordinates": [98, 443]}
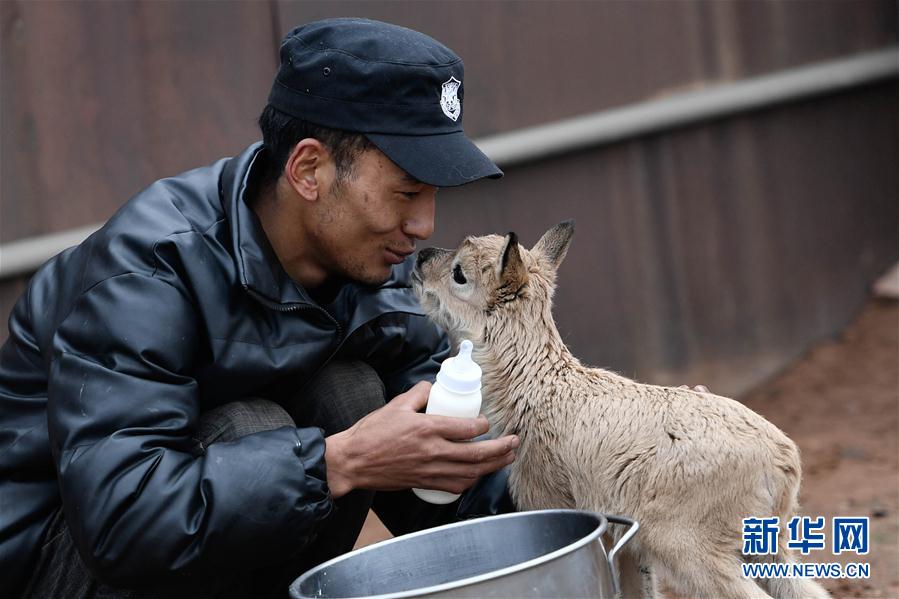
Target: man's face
{"type": "Point", "coordinates": [370, 222]}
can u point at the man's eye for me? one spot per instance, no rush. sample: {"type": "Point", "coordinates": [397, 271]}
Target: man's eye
{"type": "Point", "coordinates": [458, 277]}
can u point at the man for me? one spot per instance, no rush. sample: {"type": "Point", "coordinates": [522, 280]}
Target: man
{"type": "Point", "coordinates": [192, 400]}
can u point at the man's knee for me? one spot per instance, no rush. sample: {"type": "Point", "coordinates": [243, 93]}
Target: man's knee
{"type": "Point", "coordinates": [237, 419]}
{"type": "Point", "coordinates": [339, 396]}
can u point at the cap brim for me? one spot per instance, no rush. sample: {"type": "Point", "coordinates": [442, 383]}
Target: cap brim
{"type": "Point", "coordinates": [445, 160]}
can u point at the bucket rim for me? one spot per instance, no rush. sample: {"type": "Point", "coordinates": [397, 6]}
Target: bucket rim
{"type": "Point", "coordinates": [601, 527]}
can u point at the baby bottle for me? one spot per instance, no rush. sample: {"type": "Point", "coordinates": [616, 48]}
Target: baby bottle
{"type": "Point", "coordinates": [457, 392]}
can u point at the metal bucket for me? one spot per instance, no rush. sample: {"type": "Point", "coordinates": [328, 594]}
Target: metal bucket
{"type": "Point", "coordinates": [547, 553]}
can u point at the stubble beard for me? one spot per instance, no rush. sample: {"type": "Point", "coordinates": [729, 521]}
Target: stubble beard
{"type": "Point", "coordinates": [353, 269]}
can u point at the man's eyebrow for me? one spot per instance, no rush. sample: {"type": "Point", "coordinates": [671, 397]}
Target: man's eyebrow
{"type": "Point", "coordinates": [407, 178]}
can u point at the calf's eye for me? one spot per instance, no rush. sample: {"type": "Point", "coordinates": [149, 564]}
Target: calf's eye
{"type": "Point", "coordinates": [458, 277]}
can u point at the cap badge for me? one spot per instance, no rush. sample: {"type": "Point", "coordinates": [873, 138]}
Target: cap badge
{"type": "Point", "coordinates": [449, 99]}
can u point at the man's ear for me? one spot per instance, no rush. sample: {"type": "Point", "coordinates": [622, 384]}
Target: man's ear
{"type": "Point", "coordinates": [510, 266]}
{"type": "Point", "coordinates": [554, 244]}
{"type": "Point", "coordinates": [305, 168]}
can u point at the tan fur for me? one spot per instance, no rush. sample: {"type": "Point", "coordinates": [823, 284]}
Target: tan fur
{"type": "Point", "coordinates": [688, 466]}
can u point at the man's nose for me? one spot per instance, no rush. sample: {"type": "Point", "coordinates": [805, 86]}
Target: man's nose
{"type": "Point", "coordinates": [419, 223]}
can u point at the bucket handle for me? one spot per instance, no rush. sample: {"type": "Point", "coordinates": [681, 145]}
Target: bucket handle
{"type": "Point", "coordinates": [633, 527]}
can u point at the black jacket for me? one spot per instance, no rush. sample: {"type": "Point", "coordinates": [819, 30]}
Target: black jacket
{"type": "Point", "coordinates": [175, 306]}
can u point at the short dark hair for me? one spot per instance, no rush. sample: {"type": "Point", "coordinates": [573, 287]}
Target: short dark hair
{"type": "Point", "coordinates": [282, 132]}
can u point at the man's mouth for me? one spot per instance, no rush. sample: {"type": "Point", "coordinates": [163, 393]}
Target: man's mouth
{"type": "Point", "coordinates": [396, 256]}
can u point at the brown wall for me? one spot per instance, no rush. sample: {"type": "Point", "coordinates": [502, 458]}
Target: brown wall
{"type": "Point", "coordinates": [715, 253]}
{"type": "Point", "coordinates": [711, 253]}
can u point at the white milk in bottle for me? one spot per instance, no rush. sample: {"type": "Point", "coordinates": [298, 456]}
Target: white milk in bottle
{"type": "Point", "coordinates": [457, 392]}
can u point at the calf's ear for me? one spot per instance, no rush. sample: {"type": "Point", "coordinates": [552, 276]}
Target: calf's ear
{"type": "Point", "coordinates": [511, 267]}
{"type": "Point", "coordinates": [554, 244]}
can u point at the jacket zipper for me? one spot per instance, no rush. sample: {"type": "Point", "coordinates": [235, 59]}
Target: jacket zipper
{"type": "Point", "coordinates": [293, 308]}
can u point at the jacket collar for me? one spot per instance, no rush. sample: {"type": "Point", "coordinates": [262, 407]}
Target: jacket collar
{"type": "Point", "coordinates": [258, 267]}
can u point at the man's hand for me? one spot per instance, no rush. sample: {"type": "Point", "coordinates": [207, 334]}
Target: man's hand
{"type": "Point", "coordinates": [396, 447]}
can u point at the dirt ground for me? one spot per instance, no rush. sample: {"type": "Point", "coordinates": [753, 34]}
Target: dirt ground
{"type": "Point", "coordinates": [840, 404]}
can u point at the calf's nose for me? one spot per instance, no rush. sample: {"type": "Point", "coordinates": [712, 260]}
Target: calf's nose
{"type": "Point", "coordinates": [424, 255]}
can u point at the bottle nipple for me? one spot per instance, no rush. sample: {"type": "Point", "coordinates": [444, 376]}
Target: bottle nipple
{"type": "Point", "coordinates": [461, 374]}
{"type": "Point", "coordinates": [465, 354]}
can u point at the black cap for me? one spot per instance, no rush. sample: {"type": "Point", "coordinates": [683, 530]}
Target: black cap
{"type": "Point", "coordinates": [400, 88]}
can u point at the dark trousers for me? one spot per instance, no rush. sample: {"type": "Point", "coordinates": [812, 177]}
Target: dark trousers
{"type": "Point", "coordinates": [339, 396]}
